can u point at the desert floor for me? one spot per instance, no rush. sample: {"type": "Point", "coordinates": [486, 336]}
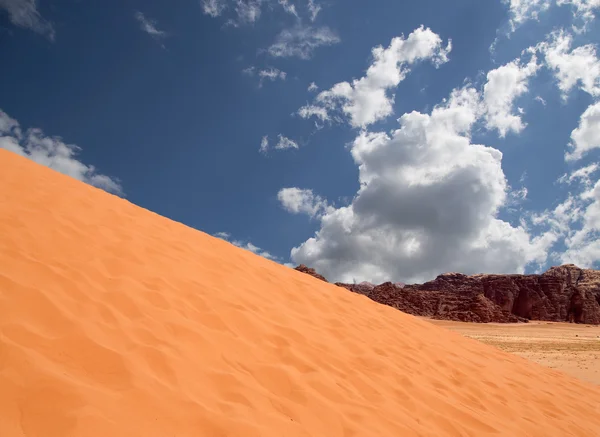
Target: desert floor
{"type": "Point", "coordinates": [570, 348]}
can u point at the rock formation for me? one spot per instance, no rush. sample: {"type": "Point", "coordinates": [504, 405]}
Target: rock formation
{"type": "Point", "coordinates": [312, 272]}
{"type": "Point", "coordinates": [562, 294]}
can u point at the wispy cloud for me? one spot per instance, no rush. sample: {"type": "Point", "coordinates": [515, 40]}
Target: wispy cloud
{"type": "Point", "coordinates": [214, 8]}
{"type": "Point", "coordinates": [313, 9]}
{"type": "Point", "coordinates": [288, 7]}
{"type": "Point", "coordinates": [264, 144]}
{"type": "Point", "coordinates": [248, 245]}
{"type": "Point", "coordinates": [283, 143]}
{"type": "Point", "coordinates": [269, 73]}
{"type": "Point", "coordinates": [24, 13]}
{"type": "Point", "coordinates": [301, 41]}
{"type": "Point", "coordinates": [149, 26]}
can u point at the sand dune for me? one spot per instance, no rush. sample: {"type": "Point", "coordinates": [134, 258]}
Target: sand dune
{"type": "Point", "coordinates": [115, 321]}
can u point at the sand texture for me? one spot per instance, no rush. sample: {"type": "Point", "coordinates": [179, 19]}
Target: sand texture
{"type": "Point", "coordinates": [117, 322]}
{"type": "Point", "coordinates": [570, 348]}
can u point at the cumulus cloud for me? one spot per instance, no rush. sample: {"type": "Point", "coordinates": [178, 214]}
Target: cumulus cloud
{"type": "Point", "coordinates": [24, 13]}
{"type": "Point", "coordinates": [302, 201]}
{"type": "Point", "coordinates": [583, 244]}
{"type": "Point", "coordinates": [524, 10]}
{"type": "Point", "coordinates": [149, 26]}
{"type": "Point", "coordinates": [51, 152]}
{"type": "Point", "coordinates": [504, 85]}
{"type": "Point", "coordinates": [368, 99]}
{"type": "Point", "coordinates": [583, 9]}
{"type": "Point", "coordinates": [576, 220]}
{"type": "Point", "coordinates": [581, 175]}
{"type": "Point", "coordinates": [521, 11]}
{"type": "Point", "coordinates": [301, 41]}
{"type": "Point", "coordinates": [571, 67]}
{"type": "Point", "coordinates": [428, 202]}
{"type": "Point", "coordinates": [313, 87]}
{"type": "Point", "coordinates": [587, 135]}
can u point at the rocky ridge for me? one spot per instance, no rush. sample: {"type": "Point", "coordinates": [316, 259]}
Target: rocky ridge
{"type": "Point", "coordinates": [563, 293]}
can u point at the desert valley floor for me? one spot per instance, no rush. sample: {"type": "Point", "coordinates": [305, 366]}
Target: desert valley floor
{"type": "Point", "coordinates": [570, 348]}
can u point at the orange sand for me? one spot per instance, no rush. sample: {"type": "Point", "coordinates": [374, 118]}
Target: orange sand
{"type": "Point", "coordinates": [117, 322]}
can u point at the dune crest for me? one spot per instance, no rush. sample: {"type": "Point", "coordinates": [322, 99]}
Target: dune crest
{"type": "Point", "coordinates": [115, 321]}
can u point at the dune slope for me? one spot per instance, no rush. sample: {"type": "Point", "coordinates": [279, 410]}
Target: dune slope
{"type": "Point", "coordinates": [115, 321]}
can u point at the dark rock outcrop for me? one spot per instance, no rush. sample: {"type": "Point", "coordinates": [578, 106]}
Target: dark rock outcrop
{"type": "Point", "coordinates": [362, 288]}
{"type": "Point", "coordinates": [312, 272]}
{"type": "Point", "coordinates": [562, 294]}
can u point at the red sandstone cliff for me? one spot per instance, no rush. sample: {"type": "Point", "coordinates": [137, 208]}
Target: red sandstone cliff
{"type": "Point", "coordinates": [564, 293]}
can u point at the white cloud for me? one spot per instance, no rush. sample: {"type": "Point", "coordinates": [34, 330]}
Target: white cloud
{"type": "Point", "coordinates": [214, 8]}
{"type": "Point", "coordinates": [269, 73]}
{"type": "Point", "coordinates": [285, 143]}
{"type": "Point", "coordinates": [309, 111]}
{"type": "Point", "coordinates": [571, 67]}
{"type": "Point", "coordinates": [248, 11]}
{"type": "Point", "coordinates": [583, 9]}
{"type": "Point", "coordinates": [367, 100]}
{"type": "Point", "coordinates": [250, 71]}
{"type": "Point", "coordinates": [51, 152]}
{"type": "Point", "coordinates": [428, 202]}
{"type": "Point", "coordinates": [583, 244]}
{"type": "Point", "coordinates": [149, 26]}
{"type": "Point", "coordinates": [313, 87]}
{"type": "Point", "coordinates": [521, 11]}
{"type": "Point", "coordinates": [301, 201]}
{"type": "Point", "coordinates": [301, 41]}
{"type": "Point", "coordinates": [581, 175]}
{"type": "Point", "coordinates": [504, 85]}
{"type": "Point", "coordinates": [541, 100]}
{"type": "Point", "coordinates": [525, 10]}
{"type": "Point", "coordinates": [576, 221]}
{"type": "Point", "coordinates": [587, 135]}
{"type": "Point", "coordinates": [288, 7]}
{"type": "Point", "coordinates": [24, 13]}
{"type": "Point", "coordinates": [264, 144]}
{"type": "Point", "coordinates": [272, 74]}
{"type": "Point", "coordinates": [313, 9]}
{"type": "Point", "coordinates": [246, 245]}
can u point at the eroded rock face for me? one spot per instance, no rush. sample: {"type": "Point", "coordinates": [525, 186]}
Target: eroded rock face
{"type": "Point", "coordinates": [312, 272]}
{"type": "Point", "coordinates": [362, 288]}
{"type": "Point", "coordinates": [563, 293]}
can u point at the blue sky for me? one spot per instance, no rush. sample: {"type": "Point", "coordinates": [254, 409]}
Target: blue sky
{"type": "Point", "coordinates": [378, 140]}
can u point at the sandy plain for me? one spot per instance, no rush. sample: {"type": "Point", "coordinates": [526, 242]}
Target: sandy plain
{"type": "Point", "coordinates": [570, 348]}
{"type": "Point", "coordinates": [115, 321]}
